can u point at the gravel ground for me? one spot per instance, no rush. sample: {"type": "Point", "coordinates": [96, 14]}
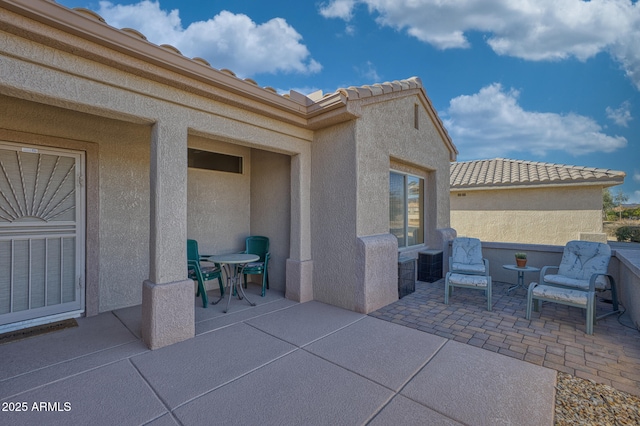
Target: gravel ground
{"type": "Point", "coordinates": [584, 402]}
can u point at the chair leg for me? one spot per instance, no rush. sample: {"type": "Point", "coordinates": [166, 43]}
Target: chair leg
{"type": "Point", "coordinates": [489, 295]}
{"type": "Point", "coordinates": [446, 291]}
{"type": "Point", "coordinates": [203, 293]}
{"type": "Point", "coordinates": [529, 300]}
{"type": "Point", "coordinates": [591, 302]}
{"type": "Point", "coordinates": [221, 285]}
{"type": "Point", "coordinates": [264, 282]}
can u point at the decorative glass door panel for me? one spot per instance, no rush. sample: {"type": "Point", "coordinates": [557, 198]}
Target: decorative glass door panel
{"type": "Point", "coordinates": [41, 232]}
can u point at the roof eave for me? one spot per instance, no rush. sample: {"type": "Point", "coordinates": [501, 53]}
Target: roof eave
{"type": "Point", "coordinates": [542, 185]}
{"type": "Point", "coordinates": [81, 25]}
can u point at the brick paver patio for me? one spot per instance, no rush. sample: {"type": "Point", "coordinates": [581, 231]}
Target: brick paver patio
{"type": "Point", "coordinates": [554, 337]}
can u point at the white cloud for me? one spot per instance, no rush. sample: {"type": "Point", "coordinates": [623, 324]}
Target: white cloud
{"type": "Point", "coordinates": [529, 29]}
{"type": "Point", "coordinates": [622, 115]}
{"type": "Point", "coordinates": [227, 40]}
{"type": "Point", "coordinates": [636, 175]}
{"type": "Point", "coordinates": [491, 124]}
{"type": "Point", "coordinates": [342, 9]}
{"type": "Point", "coordinates": [368, 72]}
{"type": "Point", "coordinates": [634, 198]}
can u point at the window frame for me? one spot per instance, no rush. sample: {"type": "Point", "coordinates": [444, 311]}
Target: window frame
{"type": "Point", "coordinates": [422, 213]}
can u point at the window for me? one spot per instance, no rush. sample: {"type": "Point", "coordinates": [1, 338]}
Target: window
{"type": "Point", "coordinates": [406, 208]}
{"type": "Point", "coordinates": [200, 159]}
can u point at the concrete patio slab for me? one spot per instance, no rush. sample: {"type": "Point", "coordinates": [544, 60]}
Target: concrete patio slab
{"type": "Point", "coordinates": [306, 322]}
{"type": "Point", "coordinates": [96, 334]}
{"type": "Point", "coordinates": [210, 321]}
{"type": "Point", "coordinates": [364, 346]}
{"type": "Point", "coordinates": [298, 389]}
{"type": "Point", "coordinates": [343, 368]}
{"type": "Point", "coordinates": [403, 411]}
{"type": "Point", "coordinates": [113, 394]}
{"type": "Point", "coordinates": [166, 420]}
{"type": "Point", "coordinates": [179, 373]}
{"type": "Point", "coordinates": [475, 386]}
{"type": "Point", "coordinates": [16, 385]}
{"type": "Point", "coordinates": [236, 306]}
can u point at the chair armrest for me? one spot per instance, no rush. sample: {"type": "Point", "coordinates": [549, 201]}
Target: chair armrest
{"type": "Point", "coordinates": [543, 272]}
{"type": "Point", "coordinates": [196, 267]}
{"type": "Point", "coordinates": [486, 266]}
{"type": "Point", "coordinates": [594, 278]}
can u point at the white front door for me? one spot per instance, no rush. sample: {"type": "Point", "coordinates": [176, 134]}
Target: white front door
{"type": "Point", "coordinates": [42, 235]}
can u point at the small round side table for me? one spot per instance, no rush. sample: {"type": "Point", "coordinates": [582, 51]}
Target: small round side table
{"type": "Point", "coordinates": [521, 272]}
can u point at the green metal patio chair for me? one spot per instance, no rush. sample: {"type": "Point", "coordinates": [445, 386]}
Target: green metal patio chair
{"type": "Point", "coordinates": [259, 246]}
{"type": "Point", "coordinates": [201, 273]}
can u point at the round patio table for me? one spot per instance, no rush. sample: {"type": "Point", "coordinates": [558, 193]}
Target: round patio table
{"type": "Point", "coordinates": [233, 265]}
{"type": "Point", "coordinates": [521, 271]}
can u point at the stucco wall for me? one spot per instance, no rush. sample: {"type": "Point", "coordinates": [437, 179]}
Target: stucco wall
{"type": "Point", "coordinates": [271, 209]}
{"type": "Point", "coordinates": [218, 211]}
{"type": "Point", "coordinates": [123, 164]}
{"type": "Point", "coordinates": [351, 162]}
{"type": "Point", "coordinates": [531, 216]}
{"type": "Point", "coordinates": [333, 215]}
{"type": "Point", "coordinates": [124, 149]}
{"type": "Point", "coordinates": [386, 133]}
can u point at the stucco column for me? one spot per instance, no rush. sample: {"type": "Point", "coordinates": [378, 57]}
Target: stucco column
{"type": "Point", "coordinates": [299, 268]}
{"type": "Point", "coordinates": [167, 297]}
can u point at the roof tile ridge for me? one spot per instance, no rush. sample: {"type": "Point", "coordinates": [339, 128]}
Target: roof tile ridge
{"type": "Point", "coordinates": [135, 33]}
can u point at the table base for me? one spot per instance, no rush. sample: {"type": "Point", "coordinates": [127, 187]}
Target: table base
{"type": "Point", "coordinates": [234, 273]}
{"type": "Point", "coordinates": [520, 282]}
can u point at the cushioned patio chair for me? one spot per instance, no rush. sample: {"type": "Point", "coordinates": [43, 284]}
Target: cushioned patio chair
{"type": "Point", "coordinates": [582, 272]}
{"type": "Point", "coordinates": [259, 246]}
{"type": "Point", "coordinates": [200, 273]}
{"type": "Point", "coordinates": [467, 268]}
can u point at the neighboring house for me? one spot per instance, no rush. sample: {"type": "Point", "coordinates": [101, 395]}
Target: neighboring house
{"type": "Point", "coordinates": [528, 202]}
{"type": "Point", "coordinates": [97, 127]}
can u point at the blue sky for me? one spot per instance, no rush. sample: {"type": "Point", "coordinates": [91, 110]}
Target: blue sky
{"type": "Point", "coordinates": [540, 80]}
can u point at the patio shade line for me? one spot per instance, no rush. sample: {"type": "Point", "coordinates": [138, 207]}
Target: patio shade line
{"type": "Point", "coordinates": [397, 392]}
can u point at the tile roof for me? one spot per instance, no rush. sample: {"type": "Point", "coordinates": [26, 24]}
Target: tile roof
{"type": "Point", "coordinates": [501, 172]}
{"type": "Point", "coordinates": [349, 92]}
{"type": "Point", "coordinates": [313, 104]}
{"type": "Point", "coordinates": [360, 92]}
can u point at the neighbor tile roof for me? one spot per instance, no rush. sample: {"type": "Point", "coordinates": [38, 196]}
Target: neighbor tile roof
{"type": "Point", "coordinates": [501, 172]}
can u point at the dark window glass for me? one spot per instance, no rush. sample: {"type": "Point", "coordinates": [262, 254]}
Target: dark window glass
{"type": "Point", "coordinates": [199, 159]}
{"type": "Point", "coordinates": [406, 209]}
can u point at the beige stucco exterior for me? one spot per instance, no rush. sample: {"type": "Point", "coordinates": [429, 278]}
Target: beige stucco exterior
{"type": "Point", "coordinates": [544, 215]}
{"type": "Point", "coordinates": [315, 177]}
